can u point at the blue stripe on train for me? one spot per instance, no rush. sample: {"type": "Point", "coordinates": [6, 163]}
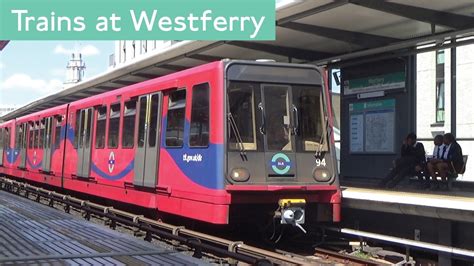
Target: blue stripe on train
{"type": "Point", "coordinates": [118, 176]}
{"type": "Point", "coordinates": [204, 166]}
{"type": "Point", "coordinates": [32, 165]}
{"type": "Point", "coordinates": [12, 155]}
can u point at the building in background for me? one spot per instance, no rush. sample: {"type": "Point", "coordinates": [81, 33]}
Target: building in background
{"type": "Point", "coordinates": [128, 51]}
{"type": "Point", "coordinates": [444, 99]}
{"type": "Point", "coordinates": [74, 70]}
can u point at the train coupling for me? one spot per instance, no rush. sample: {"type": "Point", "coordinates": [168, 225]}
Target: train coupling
{"type": "Point", "coordinates": [292, 211]}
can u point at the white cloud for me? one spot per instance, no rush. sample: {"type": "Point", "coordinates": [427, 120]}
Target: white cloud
{"type": "Point", "coordinates": [58, 72]}
{"type": "Point", "coordinates": [1, 65]}
{"type": "Point", "coordinates": [86, 50]}
{"type": "Point", "coordinates": [24, 82]}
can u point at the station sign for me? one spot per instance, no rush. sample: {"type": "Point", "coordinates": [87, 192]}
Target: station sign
{"type": "Point", "coordinates": [390, 81]}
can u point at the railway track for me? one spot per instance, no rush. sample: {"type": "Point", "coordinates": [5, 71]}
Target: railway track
{"type": "Point", "coordinates": [200, 244]}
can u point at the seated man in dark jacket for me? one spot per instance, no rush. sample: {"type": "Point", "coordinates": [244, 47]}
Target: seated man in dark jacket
{"type": "Point", "coordinates": [412, 160]}
{"type": "Point", "coordinates": [451, 157]}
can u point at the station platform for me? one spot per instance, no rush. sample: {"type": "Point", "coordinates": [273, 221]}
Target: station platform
{"type": "Point", "coordinates": [450, 205]}
{"type": "Point", "coordinates": [35, 234]}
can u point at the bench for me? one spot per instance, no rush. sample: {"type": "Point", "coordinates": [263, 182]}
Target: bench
{"type": "Point", "coordinates": [453, 175]}
{"type": "Point", "coordinates": [422, 175]}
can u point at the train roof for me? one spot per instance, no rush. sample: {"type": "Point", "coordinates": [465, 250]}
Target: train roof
{"type": "Point", "coordinates": [319, 32]}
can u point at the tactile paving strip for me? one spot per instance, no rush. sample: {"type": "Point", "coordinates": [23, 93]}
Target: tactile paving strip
{"type": "Point", "coordinates": [35, 234]}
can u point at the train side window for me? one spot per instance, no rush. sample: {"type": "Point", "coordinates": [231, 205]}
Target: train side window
{"type": "Point", "coordinates": [114, 126]}
{"type": "Point", "coordinates": [77, 134]}
{"type": "Point", "coordinates": [155, 99]}
{"type": "Point", "coordinates": [36, 136]}
{"type": "Point", "coordinates": [141, 122]}
{"type": "Point", "coordinates": [7, 138]}
{"type": "Point", "coordinates": [199, 132]}
{"type": "Point", "coordinates": [88, 126]}
{"type": "Point", "coordinates": [57, 132]}
{"type": "Point", "coordinates": [128, 128]}
{"type": "Point", "coordinates": [31, 137]}
{"type": "Point", "coordinates": [17, 136]}
{"type": "Point", "coordinates": [41, 134]}
{"type": "Point", "coordinates": [176, 116]}
{"type": "Point", "coordinates": [100, 127]}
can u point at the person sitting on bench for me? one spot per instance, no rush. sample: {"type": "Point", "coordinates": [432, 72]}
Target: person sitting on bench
{"type": "Point", "coordinates": [412, 160]}
{"type": "Point", "coordinates": [437, 152]}
{"type": "Point", "coordinates": [451, 156]}
{"type": "Point", "coordinates": [438, 148]}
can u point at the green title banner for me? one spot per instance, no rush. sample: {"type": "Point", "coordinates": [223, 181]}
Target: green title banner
{"type": "Point", "coordinates": [137, 19]}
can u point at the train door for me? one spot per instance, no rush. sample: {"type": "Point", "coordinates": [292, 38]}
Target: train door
{"type": "Point", "coordinates": [147, 151]}
{"type": "Point", "coordinates": [1, 146]}
{"type": "Point", "coordinates": [46, 165]}
{"type": "Point", "coordinates": [276, 108]}
{"type": "Point", "coordinates": [23, 141]}
{"type": "Point", "coordinates": [84, 145]}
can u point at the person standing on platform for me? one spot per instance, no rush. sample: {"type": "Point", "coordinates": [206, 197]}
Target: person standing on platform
{"type": "Point", "coordinates": [412, 160]}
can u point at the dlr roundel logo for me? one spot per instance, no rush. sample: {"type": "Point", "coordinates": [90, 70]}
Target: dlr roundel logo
{"type": "Point", "coordinates": [111, 162]}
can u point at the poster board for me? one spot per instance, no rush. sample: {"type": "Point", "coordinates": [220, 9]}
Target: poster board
{"type": "Point", "coordinates": [372, 127]}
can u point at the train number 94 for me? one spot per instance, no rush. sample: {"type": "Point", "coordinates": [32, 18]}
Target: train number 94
{"type": "Point", "coordinates": [320, 162]}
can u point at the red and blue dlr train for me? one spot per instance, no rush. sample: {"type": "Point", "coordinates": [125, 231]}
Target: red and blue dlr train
{"type": "Point", "coordinates": [220, 142]}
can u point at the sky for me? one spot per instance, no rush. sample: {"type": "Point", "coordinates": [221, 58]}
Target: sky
{"type": "Point", "coordinates": [30, 70]}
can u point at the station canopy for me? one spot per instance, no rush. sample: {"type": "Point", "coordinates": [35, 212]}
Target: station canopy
{"type": "Point", "coordinates": [321, 32]}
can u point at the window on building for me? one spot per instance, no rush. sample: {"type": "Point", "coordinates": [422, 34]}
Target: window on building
{"type": "Point", "coordinates": [199, 131]}
{"type": "Point", "coordinates": [100, 127]}
{"type": "Point", "coordinates": [114, 125]}
{"type": "Point", "coordinates": [133, 49]}
{"type": "Point", "coordinates": [440, 57]}
{"type": "Point", "coordinates": [440, 94]}
{"type": "Point", "coordinates": [175, 124]}
{"type": "Point", "coordinates": [440, 87]}
{"type": "Point", "coordinates": [124, 51]}
{"type": "Point", "coordinates": [128, 131]}
{"type": "Point", "coordinates": [144, 46]}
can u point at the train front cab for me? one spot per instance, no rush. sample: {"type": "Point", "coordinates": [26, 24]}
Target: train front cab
{"type": "Point", "coordinates": [280, 153]}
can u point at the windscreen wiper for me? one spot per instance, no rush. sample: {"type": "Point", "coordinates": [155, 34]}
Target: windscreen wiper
{"type": "Point", "coordinates": [238, 137]}
{"type": "Point", "coordinates": [319, 152]}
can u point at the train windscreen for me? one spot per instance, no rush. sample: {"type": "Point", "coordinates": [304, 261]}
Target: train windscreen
{"type": "Point", "coordinates": [275, 117]}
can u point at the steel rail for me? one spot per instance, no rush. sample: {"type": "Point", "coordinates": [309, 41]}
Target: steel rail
{"type": "Point", "coordinates": [345, 258]}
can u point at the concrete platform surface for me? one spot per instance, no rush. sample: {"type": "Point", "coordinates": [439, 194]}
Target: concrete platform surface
{"type": "Point", "coordinates": [451, 205]}
{"type": "Point", "coordinates": [35, 234]}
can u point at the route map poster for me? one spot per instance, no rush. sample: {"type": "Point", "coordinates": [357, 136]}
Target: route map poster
{"type": "Point", "coordinates": [372, 126]}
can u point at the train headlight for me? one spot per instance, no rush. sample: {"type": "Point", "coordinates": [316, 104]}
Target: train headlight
{"type": "Point", "coordinates": [240, 174]}
{"type": "Point", "coordinates": [321, 175]}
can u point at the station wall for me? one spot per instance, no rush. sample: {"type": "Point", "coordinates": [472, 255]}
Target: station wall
{"type": "Point", "coordinates": [441, 97]}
